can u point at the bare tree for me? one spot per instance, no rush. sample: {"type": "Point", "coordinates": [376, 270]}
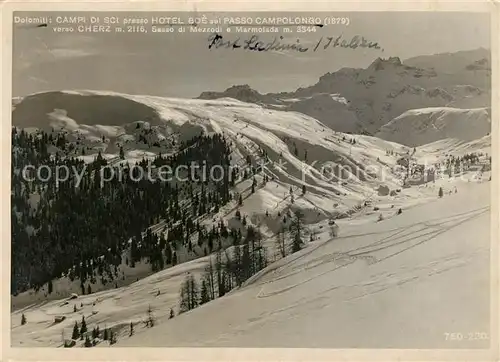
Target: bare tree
{"type": "Point", "coordinates": [280, 242]}
{"type": "Point", "coordinates": [209, 272]}
{"type": "Point", "coordinates": [150, 321]}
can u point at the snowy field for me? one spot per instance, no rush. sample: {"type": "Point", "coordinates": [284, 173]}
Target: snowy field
{"type": "Point", "coordinates": [403, 282]}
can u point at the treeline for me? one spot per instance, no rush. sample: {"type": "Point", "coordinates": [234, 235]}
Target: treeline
{"type": "Point", "coordinates": [60, 229]}
{"type": "Point", "coordinates": [231, 270]}
{"type": "Point", "coordinates": [466, 160]}
{"type": "Point", "coordinates": [91, 338]}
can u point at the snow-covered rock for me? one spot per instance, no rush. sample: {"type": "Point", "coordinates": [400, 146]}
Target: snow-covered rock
{"type": "Point", "coordinates": [383, 190]}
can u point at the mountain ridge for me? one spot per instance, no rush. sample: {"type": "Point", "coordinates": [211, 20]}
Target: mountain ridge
{"type": "Point", "coordinates": [385, 89]}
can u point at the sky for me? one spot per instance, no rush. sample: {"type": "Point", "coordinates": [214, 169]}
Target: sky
{"type": "Point", "coordinates": [182, 65]}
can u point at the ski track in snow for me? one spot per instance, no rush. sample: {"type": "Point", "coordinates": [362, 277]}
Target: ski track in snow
{"type": "Point", "coordinates": [394, 240]}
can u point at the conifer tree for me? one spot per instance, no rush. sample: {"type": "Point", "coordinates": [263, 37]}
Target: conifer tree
{"type": "Point", "coordinates": [235, 267]}
{"type": "Point", "coordinates": [88, 343]}
{"type": "Point", "coordinates": [296, 232]}
{"type": "Point", "coordinates": [76, 333]}
{"type": "Point", "coordinates": [112, 337]}
{"type": "Point", "coordinates": [193, 288]}
{"type": "Point", "coordinates": [83, 328]}
{"type": "Point", "coordinates": [188, 294]}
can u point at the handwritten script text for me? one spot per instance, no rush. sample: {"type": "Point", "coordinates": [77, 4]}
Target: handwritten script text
{"type": "Point", "coordinates": [253, 43]}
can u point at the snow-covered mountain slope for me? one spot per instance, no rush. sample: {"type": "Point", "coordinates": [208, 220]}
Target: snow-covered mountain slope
{"type": "Point", "coordinates": [378, 285]}
{"type": "Point", "coordinates": [333, 111]}
{"type": "Point", "coordinates": [334, 169]}
{"type": "Point", "coordinates": [339, 174]}
{"type": "Point", "coordinates": [417, 127]}
{"type": "Point", "coordinates": [393, 284]}
{"type": "Point", "coordinates": [457, 147]}
{"type": "Point", "coordinates": [359, 170]}
{"type": "Point", "coordinates": [385, 89]}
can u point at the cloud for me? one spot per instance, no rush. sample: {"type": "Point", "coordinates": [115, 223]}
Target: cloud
{"type": "Point", "coordinates": [65, 53]}
{"type": "Point", "coordinates": [282, 53]}
{"type": "Point", "coordinates": [299, 57]}
{"type": "Point", "coordinates": [78, 40]}
{"type": "Point", "coordinates": [39, 80]}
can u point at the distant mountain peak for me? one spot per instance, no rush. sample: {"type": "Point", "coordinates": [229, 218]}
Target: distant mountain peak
{"type": "Point", "coordinates": [242, 87]}
{"type": "Point", "coordinates": [242, 92]}
{"type": "Point", "coordinates": [381, 63]}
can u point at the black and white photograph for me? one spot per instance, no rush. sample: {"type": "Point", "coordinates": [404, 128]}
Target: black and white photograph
{"type": "Point", "coordinates": [253, 179]}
